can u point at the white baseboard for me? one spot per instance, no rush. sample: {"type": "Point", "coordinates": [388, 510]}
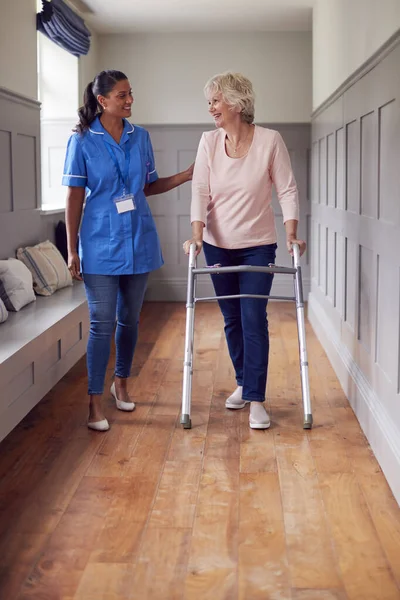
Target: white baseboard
{"type": "Point", "coordinates": [381, 432]}
{"type": "Point", "coordinates": [174, 290]}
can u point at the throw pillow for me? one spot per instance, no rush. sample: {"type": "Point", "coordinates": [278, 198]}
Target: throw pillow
{"type": "Point", "coordinates": [16, 288]}
{"type": "Point", "coordinates": [48, 268]}
{"type": "Point", "coordinates": [3, 312]}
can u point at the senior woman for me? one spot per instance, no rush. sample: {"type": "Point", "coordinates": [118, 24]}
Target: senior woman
{"type": "Point", "coordinates": [233, 221]}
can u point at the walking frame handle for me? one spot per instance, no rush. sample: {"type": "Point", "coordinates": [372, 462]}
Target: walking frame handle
{"type": "Point", "coordinates": [193, 248]}
{"type": "Point", "coordinates": [296, 255]}
{"type": "Point", "coordinates": [192, 256]}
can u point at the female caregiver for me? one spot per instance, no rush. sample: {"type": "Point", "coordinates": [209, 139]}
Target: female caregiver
{"type": "Point", "coordinates": [109, 165]}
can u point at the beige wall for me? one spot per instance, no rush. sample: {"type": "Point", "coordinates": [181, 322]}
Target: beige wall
{"type": "Point", "coordinates": [345, 34]}
{"type": "Point", "coordinates": [168, 72]}
{"type": "Point", "coordinates": [88, 65]}
{"type": "Point", "coordinates": [18, 66]}
{"type": "Point", "coordinates": [18, 51]}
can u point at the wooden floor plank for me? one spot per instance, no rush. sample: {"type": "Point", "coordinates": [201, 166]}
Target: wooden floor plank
{"type": "Point", "coordinates": [263, 564]}
{"type": "Point", "coordinates": [60, 567]}
{"type": "Point", "coordinates": [212, 570]}
{"type": "Point", "coordinates": [335, 594]}
{"type": "Point", "coordinates": [125, 519]}
{"type": "Point", "coordinates": [161, 569]}
{"type": "Point", "coordinates": [177, 509]}
{"type": "Point", "coordinates": [106, 582]}
{"type": "Point", "coordinates": [311, 559]}
{"type": "Point", "coordinates": [40, 510]}
{"type": "Point", "coordinates": [117, 446]}
{"type": "Point", "coordinates": [18, 553]}
{"type": "Point", "coordinates": [150, 451]}
{"type": "Point", "coordinates": [364, 568]}
{"type": "Point", "coordinates": [385, 515]}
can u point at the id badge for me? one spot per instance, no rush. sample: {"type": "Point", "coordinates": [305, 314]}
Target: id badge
{"type": "Point", "coordinates": [125, 203]}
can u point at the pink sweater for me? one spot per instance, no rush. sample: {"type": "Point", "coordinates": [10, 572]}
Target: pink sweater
{"type": "Point", "coordinates": [232, 196]}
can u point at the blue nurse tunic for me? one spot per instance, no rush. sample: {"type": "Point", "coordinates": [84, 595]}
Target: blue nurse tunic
{"type": "Point", "coordinates": [112, 243]}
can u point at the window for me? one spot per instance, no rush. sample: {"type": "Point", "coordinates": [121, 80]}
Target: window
{"type": "Point", "coordinates": [58, 82]}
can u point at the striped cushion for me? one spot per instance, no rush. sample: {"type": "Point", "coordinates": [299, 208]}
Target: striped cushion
{"type": "Point", "coordinates": [48, 268]}
{"type": "Point", "coordinates": [3, 312]}
{"type": "Point", "coordinates": [16, 288]}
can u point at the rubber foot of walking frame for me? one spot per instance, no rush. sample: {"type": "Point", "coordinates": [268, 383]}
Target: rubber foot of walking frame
{"type": "Point", "coordinates": [308, 421]}
{"type": "Point", "coordinates": [186, 422]}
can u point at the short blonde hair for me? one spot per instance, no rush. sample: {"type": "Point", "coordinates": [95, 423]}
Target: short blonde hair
{"type": "Point", "coordinates": [236, 90]}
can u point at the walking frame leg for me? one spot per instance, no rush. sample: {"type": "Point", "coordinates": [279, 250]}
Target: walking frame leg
{"type": "Point", "coordinates": [301, 330]}
{"type": "Point", "coordinates": [189, 339]}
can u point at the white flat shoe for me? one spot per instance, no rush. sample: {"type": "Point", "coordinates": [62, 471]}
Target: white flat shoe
{"type": "Point", "coordinates": [99, 425]}
{"type": "Point", "coordinates": [258, 418]}
{"type": "Point", "coordinates": [127, 406]}
{"type": "Point", "coordinates": [235, 400]}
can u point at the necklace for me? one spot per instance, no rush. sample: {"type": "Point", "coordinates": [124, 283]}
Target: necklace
{"type": "Point", "coordinates": [236, 148]}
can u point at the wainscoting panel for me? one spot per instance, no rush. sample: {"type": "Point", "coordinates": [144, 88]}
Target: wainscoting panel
{"type": "Point", "coordinates": [388, 166]}
{"type": "Point", "coordinates": [54, 138]}
{"type": "Point", "coordinates": [25, 186]}
{"type": "Point", "coordinates": [6, 205]}
{"type": "Point", "coordinates": [21, 221]}
{"type": "Point", "coordinates": [357, 231]}
{"type": "Point", "coordinates": [387, 326]}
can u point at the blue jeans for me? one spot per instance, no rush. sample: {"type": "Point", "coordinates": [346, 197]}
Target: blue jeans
{"type": "Point", "coordinates": [246, 323]}
{"type": "Point", "coordinates": [110, 298]}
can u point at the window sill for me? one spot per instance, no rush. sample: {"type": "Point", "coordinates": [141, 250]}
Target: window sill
{"type": "Point", "coordinates": [52, 211]}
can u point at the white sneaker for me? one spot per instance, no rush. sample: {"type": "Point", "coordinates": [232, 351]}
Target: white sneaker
{"type": "Point", "coordinates": [258, 418]}
{"type": "Point", "coordinates": [235, 400]}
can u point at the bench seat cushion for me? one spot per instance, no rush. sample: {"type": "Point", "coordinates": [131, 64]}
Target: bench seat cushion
{"type": "Point", "coordinates": [40, 316]}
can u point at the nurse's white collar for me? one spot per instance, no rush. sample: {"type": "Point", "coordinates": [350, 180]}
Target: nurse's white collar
{"type": "Point", "coordinates": [96, 123]}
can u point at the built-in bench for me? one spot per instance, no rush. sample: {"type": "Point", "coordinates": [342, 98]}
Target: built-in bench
{"type": "Point", "coordinates": [38, 346]}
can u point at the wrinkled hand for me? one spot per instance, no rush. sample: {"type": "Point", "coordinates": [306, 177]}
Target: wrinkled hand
{"type": "Point", "coordinates": [189, 172]}
{"type": "Point", "coordinates": [302, 246]}
{"type": "Point", "coordinates": [74, 265]}
{"type": "Point", "coordinates": [187, 244]}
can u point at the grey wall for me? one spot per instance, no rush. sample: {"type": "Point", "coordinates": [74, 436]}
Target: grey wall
{"type": "Point", "coordinates": [355, 235]}
{"type": "Point", "coordinates": [175, 149]}
{"type": "Point", "coordinates": [21, 222]}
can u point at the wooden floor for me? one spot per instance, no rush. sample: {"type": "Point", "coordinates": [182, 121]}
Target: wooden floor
{"type": "Point", "coordinates": [149, 511]}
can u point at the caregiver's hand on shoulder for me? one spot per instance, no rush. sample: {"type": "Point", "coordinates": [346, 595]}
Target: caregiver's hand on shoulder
{"type": "Point", "coordinates": [74, 266]}
{"type": "Point", "coordinates": [189, 172]}
{"type": "Point", "coordinates": [187, 244]}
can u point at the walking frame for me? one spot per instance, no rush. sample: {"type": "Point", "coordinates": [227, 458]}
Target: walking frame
{"type": "Point", "coordinates": [193, 272]}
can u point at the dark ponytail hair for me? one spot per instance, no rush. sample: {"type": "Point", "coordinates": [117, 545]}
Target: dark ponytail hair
{"type": "Point", "coordinates": [102, 85]}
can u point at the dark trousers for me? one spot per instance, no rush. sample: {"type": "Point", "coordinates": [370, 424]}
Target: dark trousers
{"type": "Point", "coordinates": [246, 323]}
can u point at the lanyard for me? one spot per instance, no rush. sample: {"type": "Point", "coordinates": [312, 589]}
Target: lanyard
{"type": "Point", "coordinates": [122, 176]}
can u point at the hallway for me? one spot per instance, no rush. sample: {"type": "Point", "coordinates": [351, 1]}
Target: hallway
{"type": "Point", "coordinates": [149, 511]}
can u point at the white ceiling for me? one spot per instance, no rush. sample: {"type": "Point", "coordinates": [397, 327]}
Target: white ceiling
{"type": "Point", "coordinates": [126, 16]}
